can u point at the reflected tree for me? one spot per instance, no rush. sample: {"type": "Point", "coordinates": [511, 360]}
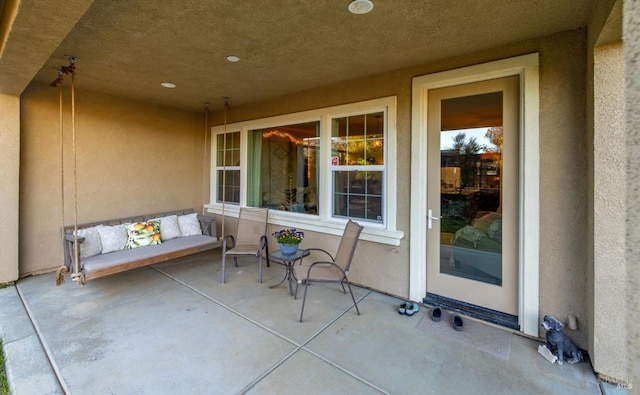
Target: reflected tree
{"type": "Point", "coordinates": [465, 151]}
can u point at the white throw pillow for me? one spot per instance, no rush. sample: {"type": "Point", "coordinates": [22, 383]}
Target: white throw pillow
{"type": "Point", "coordinates": [169, 227]}
{"type": "Point", "coordinates": [92, 244]}
{"type": "Point", "coordinates": [113, 238]}
{"type": "Point", "coordinates": [189, 225]}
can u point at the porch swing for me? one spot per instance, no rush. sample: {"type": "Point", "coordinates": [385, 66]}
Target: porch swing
{"type": "Point", "coordinates": [87, 256]}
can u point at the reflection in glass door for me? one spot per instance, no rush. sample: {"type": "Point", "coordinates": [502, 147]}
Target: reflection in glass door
{"type": "Point", "coordinates": [470, 190]}
{"type": "Point", "coordinates": [473, 194]}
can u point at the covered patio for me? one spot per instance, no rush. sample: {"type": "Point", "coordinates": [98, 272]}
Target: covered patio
{"type": "Point", "coordinates": [174, 328]}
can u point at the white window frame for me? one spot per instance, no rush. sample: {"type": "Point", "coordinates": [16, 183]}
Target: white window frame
{"type": "Point", "coordinates": [324, 222]}
{"type": "Point", "coordinates": [217, 168]}
{"type": "Point", "coordinates": [351, 168]}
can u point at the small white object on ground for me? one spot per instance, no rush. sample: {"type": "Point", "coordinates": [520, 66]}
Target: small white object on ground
{"type": "Point", "coordinates": [546, 353]}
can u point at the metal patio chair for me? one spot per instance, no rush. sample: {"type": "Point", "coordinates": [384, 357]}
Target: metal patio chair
{"type": "Point", "coordinates": [250, 238]}
{"type": "Point", "coordinates": [331, 271]}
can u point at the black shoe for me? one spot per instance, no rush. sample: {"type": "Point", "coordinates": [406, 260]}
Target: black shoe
{"type": "Point", "coordinates": [436, 314]}
{"type": "Point", "coordinates": [458, 324]}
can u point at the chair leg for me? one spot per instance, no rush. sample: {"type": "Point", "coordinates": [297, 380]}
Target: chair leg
{"type": "Point", "coordinates": [235, 261]}
{"type": "Point", "coordinates": [343, 290]}
{"type": "Point", "coordinates": [304, 299]}
{"type": "Point", "coordinates": [260, 268]}
{"type": "Point", "coordinates": [224, 259]}
{"type": "Point", "coordinates": [354, 299]}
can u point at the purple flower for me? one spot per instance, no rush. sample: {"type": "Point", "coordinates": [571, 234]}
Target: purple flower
{"type": "Point", "coordinates": [288, 236]}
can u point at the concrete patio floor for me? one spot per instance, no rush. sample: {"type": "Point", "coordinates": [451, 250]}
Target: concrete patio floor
{"type": "Point", "coordinates": [175, 329]}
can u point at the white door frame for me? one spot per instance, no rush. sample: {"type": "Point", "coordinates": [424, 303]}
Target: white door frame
{"type": "Point", "coordinates": [526, 67]}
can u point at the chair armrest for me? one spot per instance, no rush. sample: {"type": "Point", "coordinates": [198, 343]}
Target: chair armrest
{"type": "Point", "coordinates": [321, 250]}
{"type": "Point", "coordinates": [264, 245]}
{"type": "Point", "coordinates": [228, 243]}
{"type": "Point", "coordinates": [324, 263]}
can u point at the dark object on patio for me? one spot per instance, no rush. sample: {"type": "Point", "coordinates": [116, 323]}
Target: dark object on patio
{"type": "Point", "coordinates": [436, 314]}
{"type": "Point", "coordinates": [560, 342]}
{"type": "Point", "coordinates": [458, 324]}
{"type": "Point", "coordinates": [333, 271]}
{"type": "Point", "coordinates": [250, 239]}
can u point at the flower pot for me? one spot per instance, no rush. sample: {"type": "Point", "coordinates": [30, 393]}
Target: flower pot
{"type": "Point", "coordinates": [288, 249]}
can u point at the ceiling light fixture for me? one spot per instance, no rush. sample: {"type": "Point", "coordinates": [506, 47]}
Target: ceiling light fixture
{"type": "Point", "coordinates": [169, 85]}
{"type": "Point", "coordinates": [359, 7]}
{"type": "Point", "coordinates": [233, 59]}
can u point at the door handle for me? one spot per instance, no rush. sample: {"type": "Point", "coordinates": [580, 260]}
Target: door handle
{"type": "Point", "coordinates": [431, 218]}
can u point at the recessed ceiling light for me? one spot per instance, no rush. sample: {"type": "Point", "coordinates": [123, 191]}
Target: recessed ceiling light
{"type": "Point", "coordinates": [168, 85]}
{"type": "Point", "coordinates": [233, 59]}
{"type": "Point", "coordinates": [360, 6]}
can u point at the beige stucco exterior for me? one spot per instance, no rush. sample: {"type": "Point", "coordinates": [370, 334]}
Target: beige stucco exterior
{"type": "Point", "coordinates": [631, 35]}
{"type": "Point", "coordinates": [135, 158]}
{"type": "Point", "coordinates": [609, 202]}
{"type": "Point", "coordinates": [9, 186]}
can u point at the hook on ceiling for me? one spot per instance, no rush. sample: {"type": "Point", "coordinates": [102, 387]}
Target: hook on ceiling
{"type": "Point", "coordinates": [62, 70]}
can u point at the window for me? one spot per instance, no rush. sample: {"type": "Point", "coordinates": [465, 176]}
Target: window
{"type": "Point", "coordinates": [357, 164]}
{"type": "Point", "coordinates": [313, 169]}
{"type": "Point", "coordinates": [228, 167]}
{"type": "Point", "coordinates": [282, 167]}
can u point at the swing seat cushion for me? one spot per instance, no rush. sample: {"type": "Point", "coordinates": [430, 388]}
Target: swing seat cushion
{"type": "Point", "coordinates": [140, 256]}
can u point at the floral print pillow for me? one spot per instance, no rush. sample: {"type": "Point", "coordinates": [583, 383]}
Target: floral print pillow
{"type": "Point", "coordinates": [141, 234]}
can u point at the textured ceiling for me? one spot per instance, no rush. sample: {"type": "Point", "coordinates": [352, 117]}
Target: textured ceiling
{"type": "Point", "coordinates": [127, 48]}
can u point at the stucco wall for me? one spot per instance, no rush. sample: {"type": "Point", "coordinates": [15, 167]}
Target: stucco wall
{"type": "Point", "coordinates": [563, 183]}
{"type": "Point", "coordinates": [609, 204]}
{"type": "Point", "coordinates": [632, 92]}
{"type": "Point", "coordinates": [132, 159]}
{"type": "Point", "coordinates": [9, 186]}
{"type": "Point", "coordinates": [606, 164]}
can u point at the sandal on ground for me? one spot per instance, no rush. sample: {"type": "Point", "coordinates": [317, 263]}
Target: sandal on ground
{"type": "Point", "coordinates": [412, 309]}
{"type": "Point", "coordinates": [404, 307]}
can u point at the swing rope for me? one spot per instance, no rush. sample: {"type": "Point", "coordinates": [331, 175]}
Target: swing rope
{"type": "Point", "coordinates": [62, 270]}
{"type": "Point", "coordinates": [76, 275]}
{"type": "Point", "coordinates": [224, 163]}
{"type": "Point", "coordinates": [204, 155]}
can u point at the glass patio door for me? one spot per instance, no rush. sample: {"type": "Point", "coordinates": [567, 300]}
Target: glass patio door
{"type": "Point", "coordinates": [472, 194]}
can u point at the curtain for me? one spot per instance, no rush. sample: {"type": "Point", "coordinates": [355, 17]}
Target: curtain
{"type": "Point", "coordinates": [254, 161]}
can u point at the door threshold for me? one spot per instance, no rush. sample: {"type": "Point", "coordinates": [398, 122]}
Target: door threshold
{"type": "Point", "coordinates": [479, 312]}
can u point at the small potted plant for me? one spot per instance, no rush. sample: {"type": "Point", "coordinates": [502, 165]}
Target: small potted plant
{"type": "Point", "coordinates": [289, 240]}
